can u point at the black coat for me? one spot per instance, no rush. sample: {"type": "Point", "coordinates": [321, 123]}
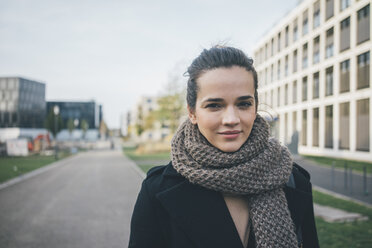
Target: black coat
{"type": "Point", "coordinates": [170, 212]}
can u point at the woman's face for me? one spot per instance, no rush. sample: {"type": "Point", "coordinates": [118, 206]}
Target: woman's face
{"type": "Point", "coordinates": [225, 107]}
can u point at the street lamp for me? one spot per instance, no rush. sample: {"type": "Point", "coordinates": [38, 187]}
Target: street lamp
{"type": "Point", "coordinates": [56, 112]}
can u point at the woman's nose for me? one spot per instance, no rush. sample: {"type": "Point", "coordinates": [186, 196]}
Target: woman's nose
{"type": "Point", "coordinates": [230, 117]}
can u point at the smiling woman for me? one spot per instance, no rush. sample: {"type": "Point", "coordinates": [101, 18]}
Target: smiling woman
{"type": "Point", "coordinates": [229, 184]}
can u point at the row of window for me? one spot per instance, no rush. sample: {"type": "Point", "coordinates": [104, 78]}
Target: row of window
{"type": "Point", "coordinates": [363, 34]}
{"type": "Point", "coordinates": [363, 81]}
{"type": "Point", "coordinates": [362, 124]}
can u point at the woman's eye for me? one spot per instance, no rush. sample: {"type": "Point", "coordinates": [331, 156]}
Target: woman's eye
{"type": "Point", "coordinates": [213, 106]}
{"type": "Point", "coordinates": [245, 104]}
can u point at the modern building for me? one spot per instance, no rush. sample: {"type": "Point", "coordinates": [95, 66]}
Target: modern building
{"type": "Point", "coordinates": [22, 103]}
{"type": "Point", "coordinates": [314, 76]}
{"type": "Point", "coordinates": [78, 111]}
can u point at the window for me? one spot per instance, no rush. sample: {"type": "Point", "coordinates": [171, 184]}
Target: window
{"type": "Point", "coordinates": [272, 46]}
{"type": "Point", "coordinates": [362, 142]}
{"type": "Point", "coordinates": [294, 121]}
{"type": "Point", "coordinates": [344, 4]}
{"type": "Point", "coordinates": [278, 70]}
{"type": "Point", "coordinates": [316, 127]}
{"type": "Point", "coordinates": [329, 43]}
{"type": "Point", "coordinates": [304, 56]}
{"type": "Point", "coordinates": [305, 23]}
{"type": "Point", "coordinates": [329, 81]}
{"type": "Point", "coordinates": [304, 89]}
{"type": "Point", "coordinates": [295, 61]}
{"type": "Point", "coordinates": [316, 55]}
{"type": "Point", "coordinates": [295, 30]}
{"type": "Point", "coordinates": [345, 34]}
{"type": "Point", "coordinates": [294, 92]}
{"type": "Point", "coordinates": [363, 25]}
{"type": "Point", "coordinates": [363, 71]}
{"type": "Point", "coordinates": [286, 94]}
{"type": "Point", "coordinates": [266, 75]}
{"type": "Point", "coordinates": [286, 42]}
{"type": "Point", "coordinates": [329, 127]}
{"type": "Point", "coordinates": [344, 127]}
{"type": "Point", "coordinates": [266, 51]}
{"type": "Point", "coordinates": [278, 98]}
{"type": "Point", "coordinates": [345, 76]}
{"type": "Point", "coordinates": [279, 42]}
{"type": "Point", "coordinates": [316, 14]}
{"type": "Point", "coordinates": [286, 66]}
{"type": "Point", "coordinates": [304, 128]}
{"type": "Point", "coordinates": [272, 73]}
{"type": "Point", "coordinates": [329, 9]}
{"type": "Point", "coordinates": [316, 85]}
{"type": "Point", "coordinates": [272, 98]}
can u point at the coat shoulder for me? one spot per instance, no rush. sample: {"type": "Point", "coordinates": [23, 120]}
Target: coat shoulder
{"type": "Point", "coordinates": [301, 177]}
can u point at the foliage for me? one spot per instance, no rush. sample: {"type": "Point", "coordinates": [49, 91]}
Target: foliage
{"type": "Point", "coordinates": [50, 123]}
{"type": "Point", "coordinates": [70, 125]}
{"type": "Point", "coordinates": [84, 126]}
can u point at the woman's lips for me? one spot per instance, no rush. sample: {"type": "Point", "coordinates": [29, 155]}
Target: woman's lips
{"type": "Point", "coordinates": [230, 134]}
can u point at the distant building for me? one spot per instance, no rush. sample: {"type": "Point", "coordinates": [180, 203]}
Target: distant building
{"type": "Point", "coordinates": [89, 111]}
{"type": "Point", "coordinates": [138, 121]}
{"type": "Point", "coordinates": [22, 103]}
{"type": "Point", "coordinates": [314, 72]}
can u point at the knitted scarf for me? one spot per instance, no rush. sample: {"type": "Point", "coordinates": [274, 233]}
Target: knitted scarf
{"type": "Point", "coordinates": [258, 170]}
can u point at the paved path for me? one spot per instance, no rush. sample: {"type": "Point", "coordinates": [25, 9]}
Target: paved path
{"type": "Point", "coordinates": [86, 202]}
{"type": "Point", "coordinates": [321, 176]}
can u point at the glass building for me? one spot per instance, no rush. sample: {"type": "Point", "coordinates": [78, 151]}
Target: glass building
{"type": "Point", "coordinates": [22, 103]}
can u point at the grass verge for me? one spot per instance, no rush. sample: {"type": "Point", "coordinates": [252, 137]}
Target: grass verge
{"type": "Point", "coordinates": [355, 234]}
{"type": "Point", "coordinates": [147, 161]}
{"type": "Point", "coordinates": [340, 163]}
{"type": "Point", "coordinates": [11, 167]}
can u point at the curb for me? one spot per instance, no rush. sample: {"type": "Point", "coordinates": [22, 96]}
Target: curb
{"type": "Point", "coordinates": [340, 196]}
{"type": "Point", "coordinates": [135, 167]}
{"type": "Point", "coordinates": [36, 172]}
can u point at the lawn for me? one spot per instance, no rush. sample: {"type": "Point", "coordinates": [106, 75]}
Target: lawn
{"type": "Point", "coordinates": [11, 167]}
{"type": "Point", "coordinates": [340, 163]}
{"type": "Point", "coordinates": [337, 235]}
{"type": "Point", "coordinates": [147, 161]}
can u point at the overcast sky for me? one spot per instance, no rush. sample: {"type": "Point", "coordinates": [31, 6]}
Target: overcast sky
{"type": "Point", "coordinates": [113, 51]}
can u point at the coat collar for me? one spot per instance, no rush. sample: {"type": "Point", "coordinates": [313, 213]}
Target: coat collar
{"type": "Point", "coordinates": [204, 216]}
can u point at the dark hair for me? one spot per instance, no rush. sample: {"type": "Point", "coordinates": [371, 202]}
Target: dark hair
{"type": "Point", "coordinates": [216, 57]}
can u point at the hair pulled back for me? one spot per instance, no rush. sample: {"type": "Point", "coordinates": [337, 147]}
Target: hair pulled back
{"type": "Point", "coordinates": [213, 58]}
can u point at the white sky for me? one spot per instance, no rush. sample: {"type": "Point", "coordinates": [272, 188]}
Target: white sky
{"type": "Point", "coordinates": [113, 51]}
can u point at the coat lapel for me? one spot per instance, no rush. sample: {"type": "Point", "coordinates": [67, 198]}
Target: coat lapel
{"type": "Point", "coordinates": [202, 214]}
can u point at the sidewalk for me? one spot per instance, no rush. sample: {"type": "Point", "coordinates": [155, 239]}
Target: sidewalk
{"type": "Point", "coordinates": [321, 176]}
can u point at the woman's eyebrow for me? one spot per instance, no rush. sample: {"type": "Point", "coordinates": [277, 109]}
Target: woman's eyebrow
{"type": "Point", "coordinates": [214, 100]}
{"type": "Point", "coordinates": [241, 98]}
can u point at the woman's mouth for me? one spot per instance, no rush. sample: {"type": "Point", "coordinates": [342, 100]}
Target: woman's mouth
{"type": "Point", "coordinates": [230, 134]}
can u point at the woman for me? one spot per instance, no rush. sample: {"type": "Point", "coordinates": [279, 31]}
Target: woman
{"type": "Point", "coordinates": [228, 184]}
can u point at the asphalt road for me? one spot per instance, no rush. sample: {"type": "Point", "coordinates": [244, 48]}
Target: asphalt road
{"type": "Point", "coordinates": [87, 202]}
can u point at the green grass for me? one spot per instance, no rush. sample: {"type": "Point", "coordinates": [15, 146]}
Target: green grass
{"type": "Point", "coordinates": [11, 167]}
{"type": "Point", "coordinates": [340, 163]}
{"type": "Point", "coordinates": [336, 235]}
{"type": "Point", "coordinates": [146, 161]}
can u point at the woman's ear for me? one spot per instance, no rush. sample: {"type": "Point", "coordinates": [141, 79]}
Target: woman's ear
{"type": "Point", "coordinates": [192, 116]}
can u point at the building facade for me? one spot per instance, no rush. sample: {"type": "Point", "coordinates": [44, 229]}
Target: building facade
{"type": "Point", "coordinates": [22, 103]}
{"type": "Point", "coordinates": [78, 111]}
{"type": "Point", "coordinates": [314, 78]}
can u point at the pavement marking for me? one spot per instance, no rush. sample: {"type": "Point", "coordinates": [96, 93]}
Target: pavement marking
{"type": "Point", "coordinates": [36, 172]}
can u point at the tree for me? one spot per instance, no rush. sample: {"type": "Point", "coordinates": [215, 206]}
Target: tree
{"type": "Point", "coordinates": [49, 123]}
{"type": "Point", "coordinates": [70, 126]}
{"type": "Point", "coordinates": [84, 126]}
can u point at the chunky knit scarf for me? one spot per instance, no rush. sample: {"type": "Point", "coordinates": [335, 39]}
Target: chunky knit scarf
{"type": "Point", "coordinates": [259, 170]}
